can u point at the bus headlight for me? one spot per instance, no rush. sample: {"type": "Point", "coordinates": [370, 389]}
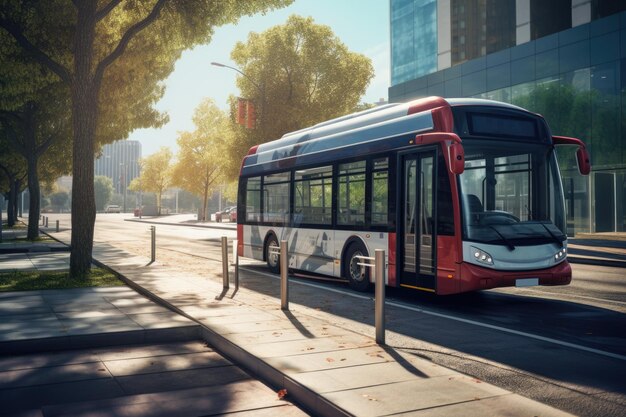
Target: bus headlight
{"type": "Point", "coordinates": [482, 256]}
{"type": "Point", "coordinates": [560, 255]}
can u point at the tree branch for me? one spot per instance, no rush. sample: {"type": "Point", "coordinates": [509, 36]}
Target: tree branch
{"type": "Point", "coordinates": [41, 149]}
{"type": "Point", "coordinates": [16, 31]}
{"type": "Point", "coordinates": [128, 36]}
{"type": "Point", "coordinates": [102, 13]}
{"type": "Point", "coordinates": [9, 175]}
{"type": "Point", "coordinates": [19, 146]}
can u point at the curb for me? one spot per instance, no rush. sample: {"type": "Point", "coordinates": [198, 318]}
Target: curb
{"type": "Point", "coordinates": [596, 262]}
{"type": "Point", "coordinates": [309, 400]}
{"type": "Point", "coordinates": [206, 226]}
{"type": "Point", "coordinates": [96, 340]}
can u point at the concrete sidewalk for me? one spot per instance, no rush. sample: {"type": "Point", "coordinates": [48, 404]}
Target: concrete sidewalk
{"type": "Point", "coordinates": [326, 368]}
{"type": "Point", "coordinates": [113, 352]}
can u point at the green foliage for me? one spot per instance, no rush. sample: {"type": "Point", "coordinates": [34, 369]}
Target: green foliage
{"type": "Point", "coordinates": [200, 165]}
{"type": "Point", "coordinates": [103, 188]}
{"type": "Point", "coordinates": [59, 199]}
{"type": "Point", "coordinates": [155, 174]}
{"type": "Point", "coordinates": [298, 74]}
{"type": "Point", "coordinates": [110, 55]}
{"type": "Point", "coordinates": [588, 114]}
{"type": "Point", "coordinates": [47, 280]}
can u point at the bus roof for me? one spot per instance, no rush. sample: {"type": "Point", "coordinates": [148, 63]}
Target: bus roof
{"type": "Point", "coordinates": [377, 129]}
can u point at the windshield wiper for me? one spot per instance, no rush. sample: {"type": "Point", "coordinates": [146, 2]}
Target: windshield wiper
{"type": "Point", "coordinates": [554, 237]}
{"type": "Point", "coordinates": [507, 242]}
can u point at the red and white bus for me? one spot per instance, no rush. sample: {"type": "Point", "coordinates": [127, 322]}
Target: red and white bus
{"type": "Point", "coordinates": [462, 194]}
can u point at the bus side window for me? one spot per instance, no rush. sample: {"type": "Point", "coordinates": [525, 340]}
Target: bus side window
{"type": "Point", "coordinates": [351, 198]}
{"type": "Point", "coordinates": [314, 195]}
{"type": "Point", "coordinates": [380, 192]}
{"type": "Point", "coordinates": [253, 199]}
{"type": "Point", "coordinates": [276, 197]}
{"type": "Point", "coordinates": [445, 213]}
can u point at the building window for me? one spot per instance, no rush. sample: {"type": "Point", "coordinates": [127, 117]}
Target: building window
{"type": "Point", "coordinates": [548, 17]}
{"type": "Point", "coordinates": [604, 8]}
{"type": "Point", "coordinates": [487, 25]}
{"type": "Point", "coordinates": [413, 39]}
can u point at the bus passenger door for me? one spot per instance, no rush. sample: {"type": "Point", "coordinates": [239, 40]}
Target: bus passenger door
{"type": "Point", "coordinates": [417, 210]}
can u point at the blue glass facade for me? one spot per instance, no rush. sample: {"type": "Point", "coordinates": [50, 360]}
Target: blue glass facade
{"type": "Point", "coordinates": [576, 79]}
{"type": "Point", "coordinates": [413, 39]}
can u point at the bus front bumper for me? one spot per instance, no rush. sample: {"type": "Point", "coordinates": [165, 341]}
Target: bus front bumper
{"type": "Point", "coordinates": [475, 278]}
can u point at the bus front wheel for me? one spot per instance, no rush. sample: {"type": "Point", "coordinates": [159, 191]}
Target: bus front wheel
{"type": "Point", "coordinates": [358, 280]}
{"type": "Point", "coordinates": [272, 259]}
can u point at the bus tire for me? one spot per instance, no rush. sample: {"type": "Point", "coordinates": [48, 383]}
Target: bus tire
{"type": "Point", "coordinates": [352, 271]}
{"type": "Point", "coordinates": [273, 261]}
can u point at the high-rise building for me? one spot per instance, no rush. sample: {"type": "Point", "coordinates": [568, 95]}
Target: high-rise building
{"type": "Point", "coordinates": [564, 59]}
{"type": "Point", "coordinates": [120, 162]}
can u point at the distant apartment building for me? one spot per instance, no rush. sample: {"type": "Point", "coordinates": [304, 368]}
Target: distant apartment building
{"type": "Point", "coordinates": [563, 59]}
{"type": "Point", "coordinates": [120, 162]}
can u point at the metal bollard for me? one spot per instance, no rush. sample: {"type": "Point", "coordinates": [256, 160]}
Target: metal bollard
{"type": "Point", "coordinates": [379, 310]}
{"type": "Point", "coordinates": [236, 256]}
{"type": "Point", "coordinates": [284, 280]}
{"type": "Point", "coordinates": [225, 262]}
{"type": "Point", "coordinates": [46, 221]}
{"type": "Point", "coordinates": [153, 244]}
{"type": "Point", "coordinates": [57, 226]}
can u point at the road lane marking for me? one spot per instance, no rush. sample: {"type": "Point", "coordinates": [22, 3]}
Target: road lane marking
{"type": "Point", "coordinates": [459, 319]}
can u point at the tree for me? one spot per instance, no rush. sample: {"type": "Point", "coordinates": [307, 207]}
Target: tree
{"type": "Point", "coordinates": [59, 199]}
{"type": "Point", "coordinates": [103, 188]}
{"type": "Point", "coordinates": [82, 41]}
{"type": "Point", "coordinates": [12, 175]}
{"type": "Point", "coordinates": [297, 74]}
{"type": "Point", "coordinates": [199, 164]}
{"type": "Point", "coordinates": [155, 174]}
{"type": "Point", "coordinates": [31, 130]}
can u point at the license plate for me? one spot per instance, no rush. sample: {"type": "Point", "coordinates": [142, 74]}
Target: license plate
{"type": "Point", "coordinates": [527, 282]}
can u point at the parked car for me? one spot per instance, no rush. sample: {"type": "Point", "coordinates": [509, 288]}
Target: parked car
{"type": "Point", "coordinates": [224, 214]}
{"type": "Point", "coordinates": [233, 215]}
{"type": "Point", "coordinates": [112, 208]}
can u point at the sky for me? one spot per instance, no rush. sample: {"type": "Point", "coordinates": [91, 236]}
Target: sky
{"type": "Point", "coordinates": [362, 25]}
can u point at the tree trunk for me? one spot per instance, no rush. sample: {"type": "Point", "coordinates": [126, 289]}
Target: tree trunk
{"type": "Point", "coordinates": [11, 207]}
{"type": "Point", "coordinates": [35, 198]}
{"type": "Point", "coordinates": [84, 119]}
{"type": "Point", "coordinates": [205, 202]}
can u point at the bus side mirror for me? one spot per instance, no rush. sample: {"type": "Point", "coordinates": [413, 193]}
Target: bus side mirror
{"type": "Point", "coordinates": [584, 161]}
{"type": "Point", "coordinates": [457, 158]}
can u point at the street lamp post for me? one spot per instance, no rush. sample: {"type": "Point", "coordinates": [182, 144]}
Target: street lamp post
{"type": "Point", "coordinates": [260, 89]}
{"type": "Point", "coordinates": [123, 183]}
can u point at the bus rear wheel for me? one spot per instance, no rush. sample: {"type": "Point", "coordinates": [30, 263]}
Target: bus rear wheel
{"type": "Point", "coordinates": [358, 281]}
{"type": "Point", "coordinates": [272, 259]}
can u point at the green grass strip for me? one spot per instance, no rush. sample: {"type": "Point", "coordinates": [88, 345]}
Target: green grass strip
{"type": "Point", "coordinates": [44, 280]}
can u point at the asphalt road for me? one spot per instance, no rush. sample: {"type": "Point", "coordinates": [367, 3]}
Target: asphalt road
{"type": "Point", "coordinates": [564, 346]}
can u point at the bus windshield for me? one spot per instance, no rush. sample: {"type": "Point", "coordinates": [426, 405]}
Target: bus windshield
{"type": "Point", "coordinates": [511, 193]}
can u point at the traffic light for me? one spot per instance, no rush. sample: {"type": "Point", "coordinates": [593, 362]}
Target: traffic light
{"type": "Point", "coordinates": [241, 111]}
{"type": "Point", "coordinates": [251, 115]}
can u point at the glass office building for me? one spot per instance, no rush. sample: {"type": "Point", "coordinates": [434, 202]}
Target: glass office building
{"type": "Point", "coordinates": [120, 162]}
{"type": "Point", "coordinates": [564, 59]}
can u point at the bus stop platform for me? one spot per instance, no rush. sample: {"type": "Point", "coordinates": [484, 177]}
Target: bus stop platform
{"type": "Point", "coordinates": [320, 363]}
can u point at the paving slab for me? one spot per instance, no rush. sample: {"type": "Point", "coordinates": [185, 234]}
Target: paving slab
{"type": "Point", "coordinates": [181, 379]}
{"type": "Point", "coordinates": [326, 368]}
